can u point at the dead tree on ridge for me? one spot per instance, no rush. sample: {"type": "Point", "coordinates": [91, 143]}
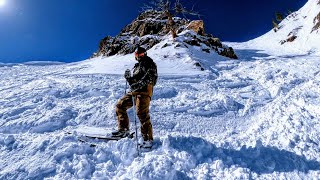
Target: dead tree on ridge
{"type": "Point", "coordinates": [171, 9]}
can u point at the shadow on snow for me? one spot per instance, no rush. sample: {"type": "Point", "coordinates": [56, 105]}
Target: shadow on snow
{"type": "Point", "coordinates": [254, 54]}
{"type": "Point", "coordinates": [250, 54]}
{"type": "Point", "coordinates": [260, 160]}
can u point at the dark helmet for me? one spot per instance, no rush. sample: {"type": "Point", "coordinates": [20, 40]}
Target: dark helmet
{"type": "Point", "coordinates": [139, 53]}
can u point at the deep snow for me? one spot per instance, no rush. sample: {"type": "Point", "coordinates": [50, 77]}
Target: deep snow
{"type": "Point", "coordinates": [252, 118]}
{"type": "Point", "coordinates": [248, 118]}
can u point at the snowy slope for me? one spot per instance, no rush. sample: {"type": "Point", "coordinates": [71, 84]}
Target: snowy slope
{"type": "Point", "coordinates": [249, 119]}
{"type": "Point", "coordinates": [252, 118]}
{"type": "Point", "coordinates": [299, 24]}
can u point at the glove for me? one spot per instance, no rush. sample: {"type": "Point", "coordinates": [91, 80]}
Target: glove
{"type": "Point", "coordinates": [127, 74]}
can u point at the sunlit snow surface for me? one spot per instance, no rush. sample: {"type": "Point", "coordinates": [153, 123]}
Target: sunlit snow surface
{"type": "Point", "coordinates": [256, 117]}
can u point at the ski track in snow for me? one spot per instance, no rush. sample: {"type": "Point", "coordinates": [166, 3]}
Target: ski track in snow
{"type": "Point", "coordinates": [252, 118]}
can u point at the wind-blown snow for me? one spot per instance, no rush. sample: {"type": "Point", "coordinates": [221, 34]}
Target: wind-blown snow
{"type": "Point", "coordinates": [252, 118]}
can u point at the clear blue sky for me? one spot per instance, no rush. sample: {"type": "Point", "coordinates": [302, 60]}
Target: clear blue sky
{"type": "Point", "coordinates": [70, 30]}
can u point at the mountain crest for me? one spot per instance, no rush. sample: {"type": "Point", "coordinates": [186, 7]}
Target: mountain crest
{"type": "Point", "coordinates": [151, 27]}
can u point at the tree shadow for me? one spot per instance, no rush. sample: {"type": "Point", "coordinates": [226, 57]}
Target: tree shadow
{"type": "Point", "coordinates": [261, 160]}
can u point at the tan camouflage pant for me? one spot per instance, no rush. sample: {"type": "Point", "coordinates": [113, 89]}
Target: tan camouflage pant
{"type": "Point", "coordinates": [142, 109]}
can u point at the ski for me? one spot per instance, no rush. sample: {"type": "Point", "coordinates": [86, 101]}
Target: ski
{"type": "Point", "coordinates": [86, 138]}
{"type": "Point", "coordinates": [110, 138]}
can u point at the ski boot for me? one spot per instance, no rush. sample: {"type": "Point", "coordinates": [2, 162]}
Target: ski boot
{"type": "Point", "coordinates": [121, 133]}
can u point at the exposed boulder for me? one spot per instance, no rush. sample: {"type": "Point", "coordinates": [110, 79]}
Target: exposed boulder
{"type": "Point", "coordinates": [215, 42]}
{"type": "Point", "coordinates": [197, 26]}
{"type": "Point", "coordinates": [228, 52]}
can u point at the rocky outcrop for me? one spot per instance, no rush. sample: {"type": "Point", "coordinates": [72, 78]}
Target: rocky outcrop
{"type": "Point", "coordinates": [290, 39]}
{"type": "Point", "coordinates": [316, 21]}
{"type": "Point", "coordinates": [209, 43]}
{"type": "Point", "coordinates": [146, 30]}
{"type": "Point", "coordinates": [197, 26]}
{"type": "Point", "coordinates": [150, 27]}
{"type": "Point", "coordinates": [228, 52]}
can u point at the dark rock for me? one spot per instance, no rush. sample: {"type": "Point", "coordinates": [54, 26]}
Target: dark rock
{"type": "Point", "coordinates": [177, 45]}
{"type": "Point", "coordinates": [282, 42]}
{"type": "Point", "coordinates": [316, 21]}
{"type": "Point", "coordinates": [290, 39]}
{"type": "Point", "coordinates": [192, 42]}
{"type": "Point", "coordinates": [215, 42]}
{"type": "Point", "coordinates": [199, 65]}
{"type": "Point", "coordinates": [165, 45]}
{"type": "Point", "coordinates": [148, 42]}
{"type": "Point", "coordinates": [228, 52]}
{"type": "Point", "coordinates": [206, 50]}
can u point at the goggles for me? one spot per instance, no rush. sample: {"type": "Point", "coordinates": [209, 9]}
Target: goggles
{"type": "Point", "coordinates": [138, 55]}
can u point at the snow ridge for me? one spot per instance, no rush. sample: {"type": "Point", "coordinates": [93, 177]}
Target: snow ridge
{"type": "Point", "coordinates": [296, 34]}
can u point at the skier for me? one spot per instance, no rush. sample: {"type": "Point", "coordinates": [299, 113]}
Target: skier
{"type": "Point", "coordinates": [143, 78]}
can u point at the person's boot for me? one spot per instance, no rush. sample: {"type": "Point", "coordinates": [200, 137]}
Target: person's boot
{"type": "Point", "coordinates": [120, 133]}
{"type": "Point", "coordinates": [146, 144]}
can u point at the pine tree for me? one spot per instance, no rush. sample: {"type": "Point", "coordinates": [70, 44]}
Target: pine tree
{"type": "Point", "coordinates": [279, 17]}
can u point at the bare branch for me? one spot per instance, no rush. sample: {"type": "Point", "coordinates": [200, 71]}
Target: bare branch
{"type": "Point", "coordinates": [171, 10]}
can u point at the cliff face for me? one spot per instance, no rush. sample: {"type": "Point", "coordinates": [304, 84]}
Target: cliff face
{"type": "Point", "coordinates": [150, 27]}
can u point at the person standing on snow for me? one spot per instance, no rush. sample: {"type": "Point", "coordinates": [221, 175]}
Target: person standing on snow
{"type": "Point", "coordinates": [141, 82]}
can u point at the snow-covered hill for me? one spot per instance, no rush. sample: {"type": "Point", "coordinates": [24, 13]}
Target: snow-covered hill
{"type": "Point", "coordinates": [173, 57]}
{"type": "Point", "coordinates": [298, 33]}
{"type": "Point", "coordinates": [252, 118]}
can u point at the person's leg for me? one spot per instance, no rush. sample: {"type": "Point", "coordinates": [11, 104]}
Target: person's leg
{"type": "Point", "coordinates": [142, 107]}
{"type": "Point", "coordinates": [121, 109]}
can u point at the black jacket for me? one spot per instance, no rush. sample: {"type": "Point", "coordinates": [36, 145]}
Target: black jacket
{"type": "Point", "coordinates": [144, 74]}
